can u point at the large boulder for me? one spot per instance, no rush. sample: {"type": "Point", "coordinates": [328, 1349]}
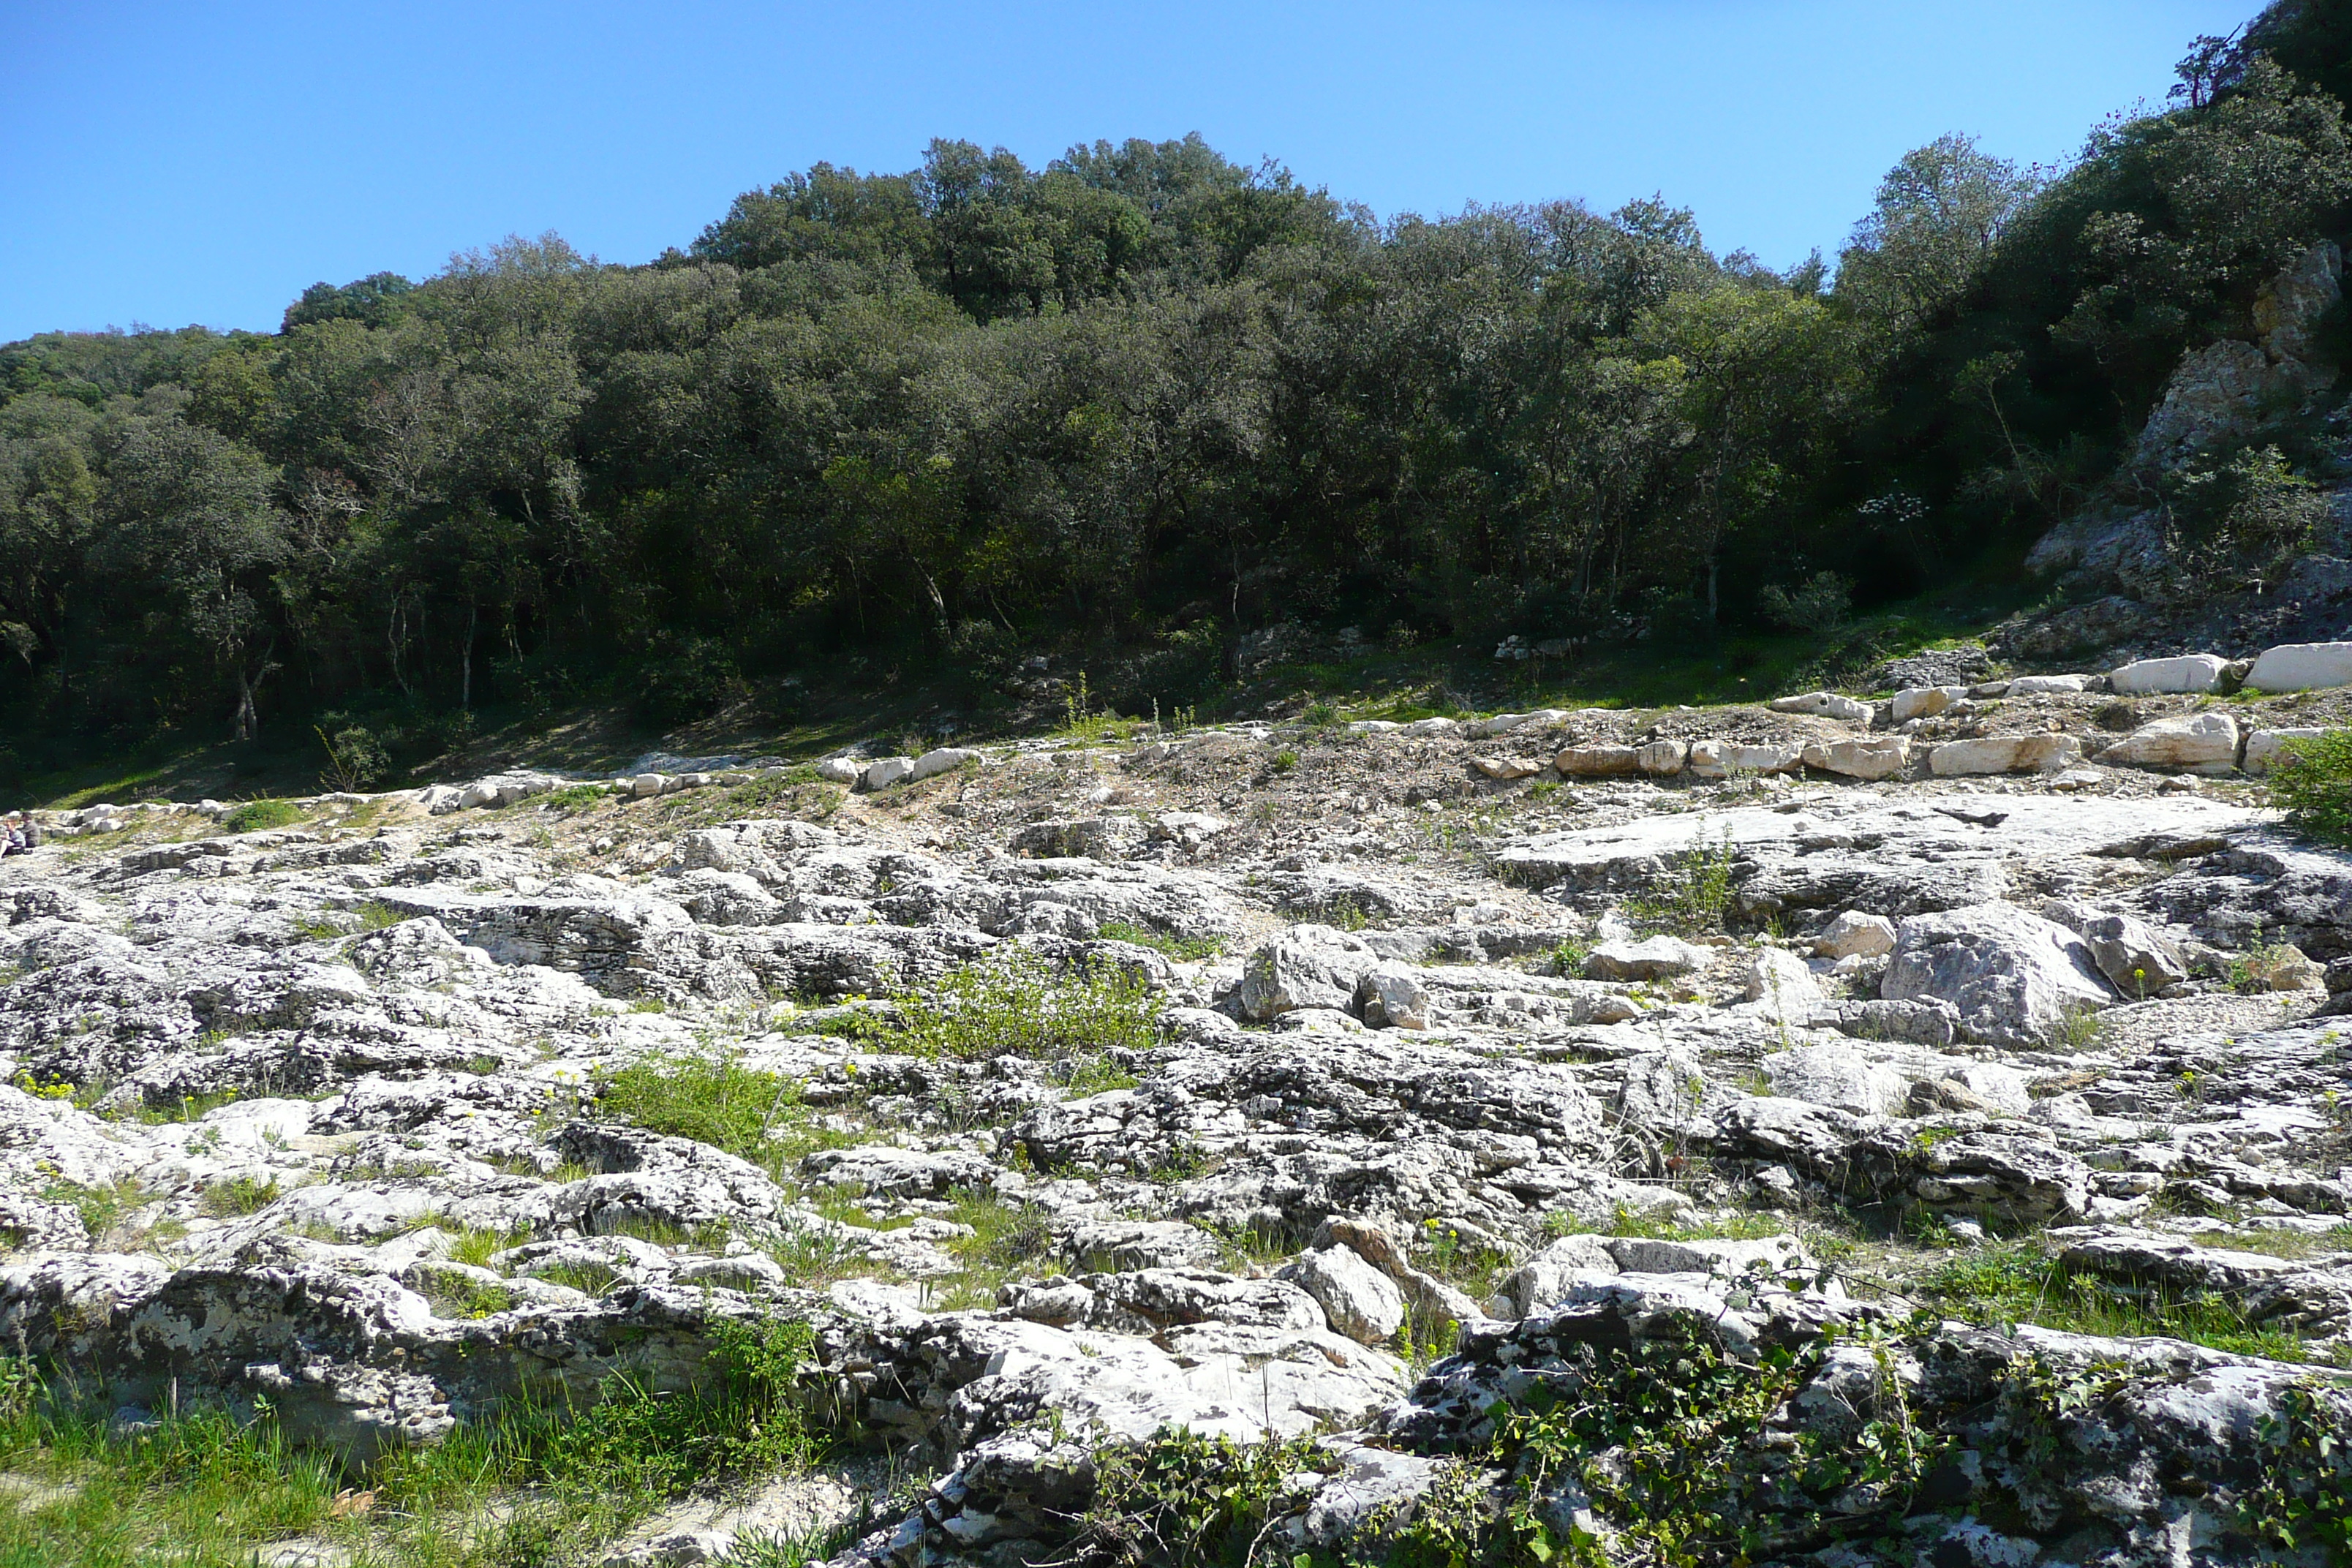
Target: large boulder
{"type": "Point", "coordinates": [1652, 958]}
{"type": "Point", "coordinates": [1723, 759]}
{"type": "Point", "coordinates": [2139, 960]}
{"type": "Point", "coordinates": [2015, 977]}
{"type": "Point", "coordinates": [1598, 760]}
{"type": "Point", "coordinates": [1876, 757]}
{"type": "Point", "coordinates": [1926, 701]}
{"type": "Point", "coordinates": [1306, 966]}
{"type": "Point", "coordinates": [2046, 753]}
{"type": "Point", "coordinates": [1855, 934]}
{"type": "Point", "coordinates": [2302, 667]}
{"type": "Point", "coordinates": [2265, 748]}
{"type": "Point", "coordinates": [944, 759]}
{"type": "Point", "coordinates": [1663, 759]}
{"type": "Point", "coordinates": [1778, 982]}
{"type": "Point", "coordinates": [1359, 1300]}
{"type": "Point", "coordinates": [2150, 677]}
{"type": "Point", "coordinates": [2188, 742]}
{"type": "Point", "coordinates": [1823, 704]}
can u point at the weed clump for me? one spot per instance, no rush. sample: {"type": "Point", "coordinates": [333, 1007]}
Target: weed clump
{"type": "Point", "coordinates": [256, 814]}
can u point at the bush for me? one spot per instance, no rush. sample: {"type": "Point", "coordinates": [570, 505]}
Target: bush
{"type": "Point", "coordinates": [1819, 605]}
{"type": "Point", "coordinates": [355, 759]}
{"type": "Point", "coordinates": [2312, 783]}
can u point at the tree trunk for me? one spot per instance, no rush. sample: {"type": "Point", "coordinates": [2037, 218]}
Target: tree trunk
{"type": "Point", "coordinates": [248, 721]}
{"type": "Point", "coordinates": [466, 662]}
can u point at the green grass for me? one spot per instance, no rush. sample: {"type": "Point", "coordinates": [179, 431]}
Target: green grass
{"type": "Point", "coordinates": [1009, 1240]}
{"type": "Point", "coordinates": [1189, 949]}
{"type": "Point", "coordinates": [1694, 896]}
{"type": "Point", "coordinates": [205, 1488]}
{"type": "Point", "coordinates": [478, 1247]}
{"type": "Point", "coordinates": [255, 815]}
{"type": "Point", "coordinates": [2017, 1282]}
{"type": "Point", "coordinates": [571, 799]}
{"type": "Point", "coordinates": [102, 1206]}
{"type": "Point", "coordinates": [239, 1196]}
{"type": "Point", "coordinates": [713, 1099]}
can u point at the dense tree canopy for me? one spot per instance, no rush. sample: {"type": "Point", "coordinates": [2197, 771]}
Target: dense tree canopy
{"type": "Point", "coordinates": [1143, 396]}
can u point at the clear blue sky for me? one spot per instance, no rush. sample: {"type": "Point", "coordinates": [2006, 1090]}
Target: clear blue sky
{"type": "Point", "coordinates": [170, 164]}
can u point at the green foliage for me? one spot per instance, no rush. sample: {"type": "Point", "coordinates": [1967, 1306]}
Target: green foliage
{"type": "Point", "coordinates": [2312, 783]}
{"type": "Point", "coordinates": [102, 1206]}
{"type": "Point", "coordinates": [1012, 1003]}
{"type": "Point", "coordinates": [1665, 1436]}
{"type": "Point", "coordinates": [255, 815]}
{"type": "Point", "coordinates": [2243, 521]}
{"type": "Point", "coordinates": [2017, 1282]}
{"type": "Point", "coordinates": [572, 799]}
{"type": "Point", "coordinates": [203, 1488]}
{"type": "Point", "coordinates": [1187, 1499]}
{"type": "Point", "coordinates": [1189, 949]}
{"type": "Point", "coordinates": [885, 424]}
{"type": "Point", "coordinates": [1819, 605]}
{"type": "Point", "coordinates": [525, 1485]}
{"type": "Point", "coordinates": [740, 1416]}
{"type": "Point", "coordinates": [1284, 761]}
{"type": "Point", "coordinates": [2304, 1499]}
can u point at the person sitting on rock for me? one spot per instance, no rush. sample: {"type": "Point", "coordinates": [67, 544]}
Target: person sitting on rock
{"type": "Point", "coordinates": [16, 842]}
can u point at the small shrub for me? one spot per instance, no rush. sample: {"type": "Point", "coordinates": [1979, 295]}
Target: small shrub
{"type": "Point", "coordinates": [1083, 721]}
{"type": "Point", "coordinates": [1694, 897]}
{"type": "Point", "coordinates": [1285, 759]}
{"type": "Point", "coordinates": [1320, 715]}
{"type": "Point", "coordinates": [2312, 783]}
{"type": "Point", "coordinates": [2080, 1028]}
{"type": "Point", "coordinates": [1343, 913]}
{"type": "Point", "coordinates": [102, 1206]}
{"type": "Point", "coordinates": [256, 814]}
{"type": "Point", "coordinates": [1184, 1497]}
{"type": "Point", "coordinates": [1819, 605]}
{"type": "Point", "coordinates": [478, 1247]}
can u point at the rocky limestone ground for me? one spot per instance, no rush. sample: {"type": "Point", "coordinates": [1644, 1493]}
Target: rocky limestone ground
{"type": "Point", "coordinates": [1294, 1144]}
